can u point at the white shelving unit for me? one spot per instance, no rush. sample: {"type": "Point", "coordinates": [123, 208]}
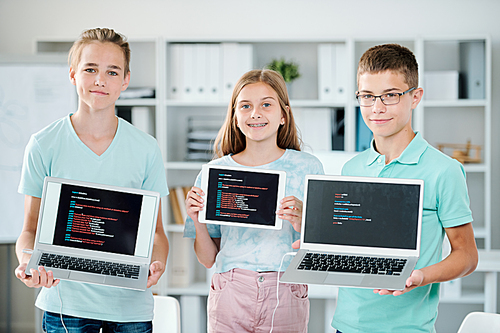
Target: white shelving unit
{"type": "Point", "coordinates": [439, 120]}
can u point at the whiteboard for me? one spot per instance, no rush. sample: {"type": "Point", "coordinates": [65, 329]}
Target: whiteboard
{"type": "Point", "coordinates": [33, 94]}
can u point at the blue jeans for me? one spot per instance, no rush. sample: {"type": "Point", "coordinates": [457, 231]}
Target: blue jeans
{"type": "Point", "coordinates": [52, 324]}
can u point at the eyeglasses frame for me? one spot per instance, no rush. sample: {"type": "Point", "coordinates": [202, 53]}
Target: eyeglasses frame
{"type": "Point", "coordinates": [380, 96]}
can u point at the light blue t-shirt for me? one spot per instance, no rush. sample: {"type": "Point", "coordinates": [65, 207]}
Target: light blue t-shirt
{"type": "Point", "coordinates": [133, 159]}
{"type": "Point", "coordinates": [446, 205]}
{"type": "Point", "coordinates": [259, 249]}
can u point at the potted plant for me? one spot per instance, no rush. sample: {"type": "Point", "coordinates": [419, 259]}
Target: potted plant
{"type": "Point", "coordinates": [288, 69]}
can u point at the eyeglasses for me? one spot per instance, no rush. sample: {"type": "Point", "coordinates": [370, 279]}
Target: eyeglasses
{"type": "Point", "coordinates": [387, 99]}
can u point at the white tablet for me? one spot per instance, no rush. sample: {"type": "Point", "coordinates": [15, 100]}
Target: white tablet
{"type": "Point", "coordinates": [242, 197]}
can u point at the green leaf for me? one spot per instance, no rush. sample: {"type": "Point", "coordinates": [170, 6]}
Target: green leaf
{"type": "Point", "coordinates": [288, 69]}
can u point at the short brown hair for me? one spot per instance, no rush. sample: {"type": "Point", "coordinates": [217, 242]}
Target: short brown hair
{"type": "Point", "coordinates": [231, 140]}
{"type": "Point", "coordinates": [103, 35]}
{"type": "Point", "coordinates": [390, 57]}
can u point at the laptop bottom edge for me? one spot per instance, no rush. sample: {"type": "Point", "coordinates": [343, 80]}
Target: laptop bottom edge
{"type": "Point", "coordinates": [139, 283]}
{"type": "Point", "coordinates": [345, 279]}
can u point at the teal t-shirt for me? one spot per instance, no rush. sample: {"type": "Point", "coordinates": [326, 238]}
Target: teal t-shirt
{"type": "Point", "coordinates": [446, 205]}
{"type": "Point", "coordinates": [260, 249]}
{"type": "Point", "coordinates": [133, 159]}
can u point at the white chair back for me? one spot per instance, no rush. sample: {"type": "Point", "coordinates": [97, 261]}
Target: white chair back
{"type": "Point", "coordinates": [482, 322]}
{"type": "Point", "coordinates": [167, 315]}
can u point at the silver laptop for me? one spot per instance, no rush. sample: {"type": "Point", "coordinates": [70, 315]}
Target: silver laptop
{"type": "Point", "coordinates": [358, 232]}
{"type": "Point", "coordinates": [95, 233]}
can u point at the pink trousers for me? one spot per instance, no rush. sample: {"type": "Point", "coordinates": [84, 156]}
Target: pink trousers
{"type": "Point", "coordinates": [243, 301]}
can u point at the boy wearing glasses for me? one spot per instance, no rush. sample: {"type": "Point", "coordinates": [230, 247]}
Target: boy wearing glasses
{"type": "Point", "coordinates": [388, 92]}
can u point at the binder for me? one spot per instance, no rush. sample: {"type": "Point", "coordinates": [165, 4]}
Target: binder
{"type": "Point", "coordinates": [199, 70]}
{"type": "Point", "coordinates": [175, 75]}
{"type": "Point", "coordinates": [237, 59]}
{"type": "Point", "coordinates": [229, 64]}
{"type": "Point", "coordinates": [213, 77]}
{"type": "Point", "coordinates": [332, 72]}
{"type": "Point", "coordinates": [188, 78]}
{"type": "Point", "coordinates": [325, 72]}
{"type": "Point", "coordinates": [341, 73]}
{"type": "Point", "coordinates": [245, 59]}
{"type": "Point", "coordinates": [472, 68]}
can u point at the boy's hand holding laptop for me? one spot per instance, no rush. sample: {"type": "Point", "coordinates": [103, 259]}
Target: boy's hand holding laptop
{"type": "Point", "coordinates": [359, 232]}
{"type": "Point", "coordinates": [415, 280]}
{"type": "Point", "coordinates": [94, 233]}
{"type": "Point", "coordinates": [38, 278]}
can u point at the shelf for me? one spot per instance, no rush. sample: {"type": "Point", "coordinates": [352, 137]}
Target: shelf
{"type": "Point", "coordinates": [201, 289]}
{"type": "Point", "coordinates": [323, 291]}
{"type": "Point", "coordinates": [184, 165]}
{"type": "Point", "coordinates": [489, 261]}
{"type": "Point", "coordinates": [454, 103]}
{"type": "Point", "coordinates": [199, 104]}
{"type": "Point", "coordinates": [136, 102]}
{"type": "Point", "coordinates": [174, 228]}
{"type": "Point", "coordinates": [294, 103]}
{"type": "Point", "coordinates": [479, 167]}
{"type": "Point", "coordinates": [467, 297]}
{"type": "Point", "coordinates": [480, 232]}
{"type": "Point", "coordinates": [196, 289]}
{"type": "Point", "coordinates": [306, 103]}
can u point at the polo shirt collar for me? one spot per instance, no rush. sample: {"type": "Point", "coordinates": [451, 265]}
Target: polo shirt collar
{"type": "Point", "coordinates": [410, 155]}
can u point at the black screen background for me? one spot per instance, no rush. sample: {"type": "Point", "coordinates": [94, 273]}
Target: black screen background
{"type": "Point", "coordinates": [125, 229]}
{"type": "Point", "coordinates": [393, 209]}
{"type": "Point", "coordinates": [265, 204]}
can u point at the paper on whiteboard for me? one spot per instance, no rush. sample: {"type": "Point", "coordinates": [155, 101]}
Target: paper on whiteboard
{"type": "Point", "coordinates": [31, 97]}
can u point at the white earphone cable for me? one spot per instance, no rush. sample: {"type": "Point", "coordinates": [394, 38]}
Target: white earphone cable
{"type": "Point", "coordinates": [278, 286]}
{"type": "Point", "coordinates": [60, 312]}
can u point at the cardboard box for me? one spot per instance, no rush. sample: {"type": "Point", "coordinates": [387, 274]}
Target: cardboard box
{"type": "Point", "coordinates": [441, 85]}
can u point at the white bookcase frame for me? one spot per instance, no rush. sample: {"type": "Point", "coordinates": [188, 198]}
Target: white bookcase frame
{"type": "Point", "coordinates": [180, 172]}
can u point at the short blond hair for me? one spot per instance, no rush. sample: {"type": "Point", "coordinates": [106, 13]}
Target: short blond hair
{"type": "Point", "coordinates": [390, 57]}
{"type": "Point", "coordinates": [103, 35]}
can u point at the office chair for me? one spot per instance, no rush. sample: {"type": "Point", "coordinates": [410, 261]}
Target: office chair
{"type": "Point", "coordinates": [480, 322]}
{"type": "Point", "coordinates": [167, 315]}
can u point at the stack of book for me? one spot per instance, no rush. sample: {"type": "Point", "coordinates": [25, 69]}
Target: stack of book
{"type": "Point", "coordinates": [177, 197]}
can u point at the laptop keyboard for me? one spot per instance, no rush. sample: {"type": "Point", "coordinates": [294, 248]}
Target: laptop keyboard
{"type": "Point", "coordinates": [89, 265]}
{"type": "Point", "coordinates": [352, 264]}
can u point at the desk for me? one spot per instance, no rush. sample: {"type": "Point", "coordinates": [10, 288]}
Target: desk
{"type": "Point", "coordinates": [489, 263]}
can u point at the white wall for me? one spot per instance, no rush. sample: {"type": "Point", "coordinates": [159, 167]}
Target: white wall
{"type": "Point", "coordinates": [22, 21]}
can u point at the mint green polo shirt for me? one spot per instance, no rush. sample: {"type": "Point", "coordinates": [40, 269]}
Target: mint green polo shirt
{"type": "Point", "coordinates": [446, 205]}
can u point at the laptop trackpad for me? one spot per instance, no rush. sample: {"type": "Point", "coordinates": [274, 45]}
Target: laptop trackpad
{"type": "Point", "coordinates": [344, 279]}
{"type": "Point", "coordinates": [92, 278]}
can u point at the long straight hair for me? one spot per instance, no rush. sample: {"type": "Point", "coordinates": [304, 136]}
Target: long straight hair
{"type": "Point", "coordinates": [230, 140]}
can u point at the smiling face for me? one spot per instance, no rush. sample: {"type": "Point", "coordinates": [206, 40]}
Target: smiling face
{"type": "Point", "coordinates": [388, 121]}
{"type": "Point", "coordinates": [99, 76]}
{"type": "Point", "coordinates": [258, 113]}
